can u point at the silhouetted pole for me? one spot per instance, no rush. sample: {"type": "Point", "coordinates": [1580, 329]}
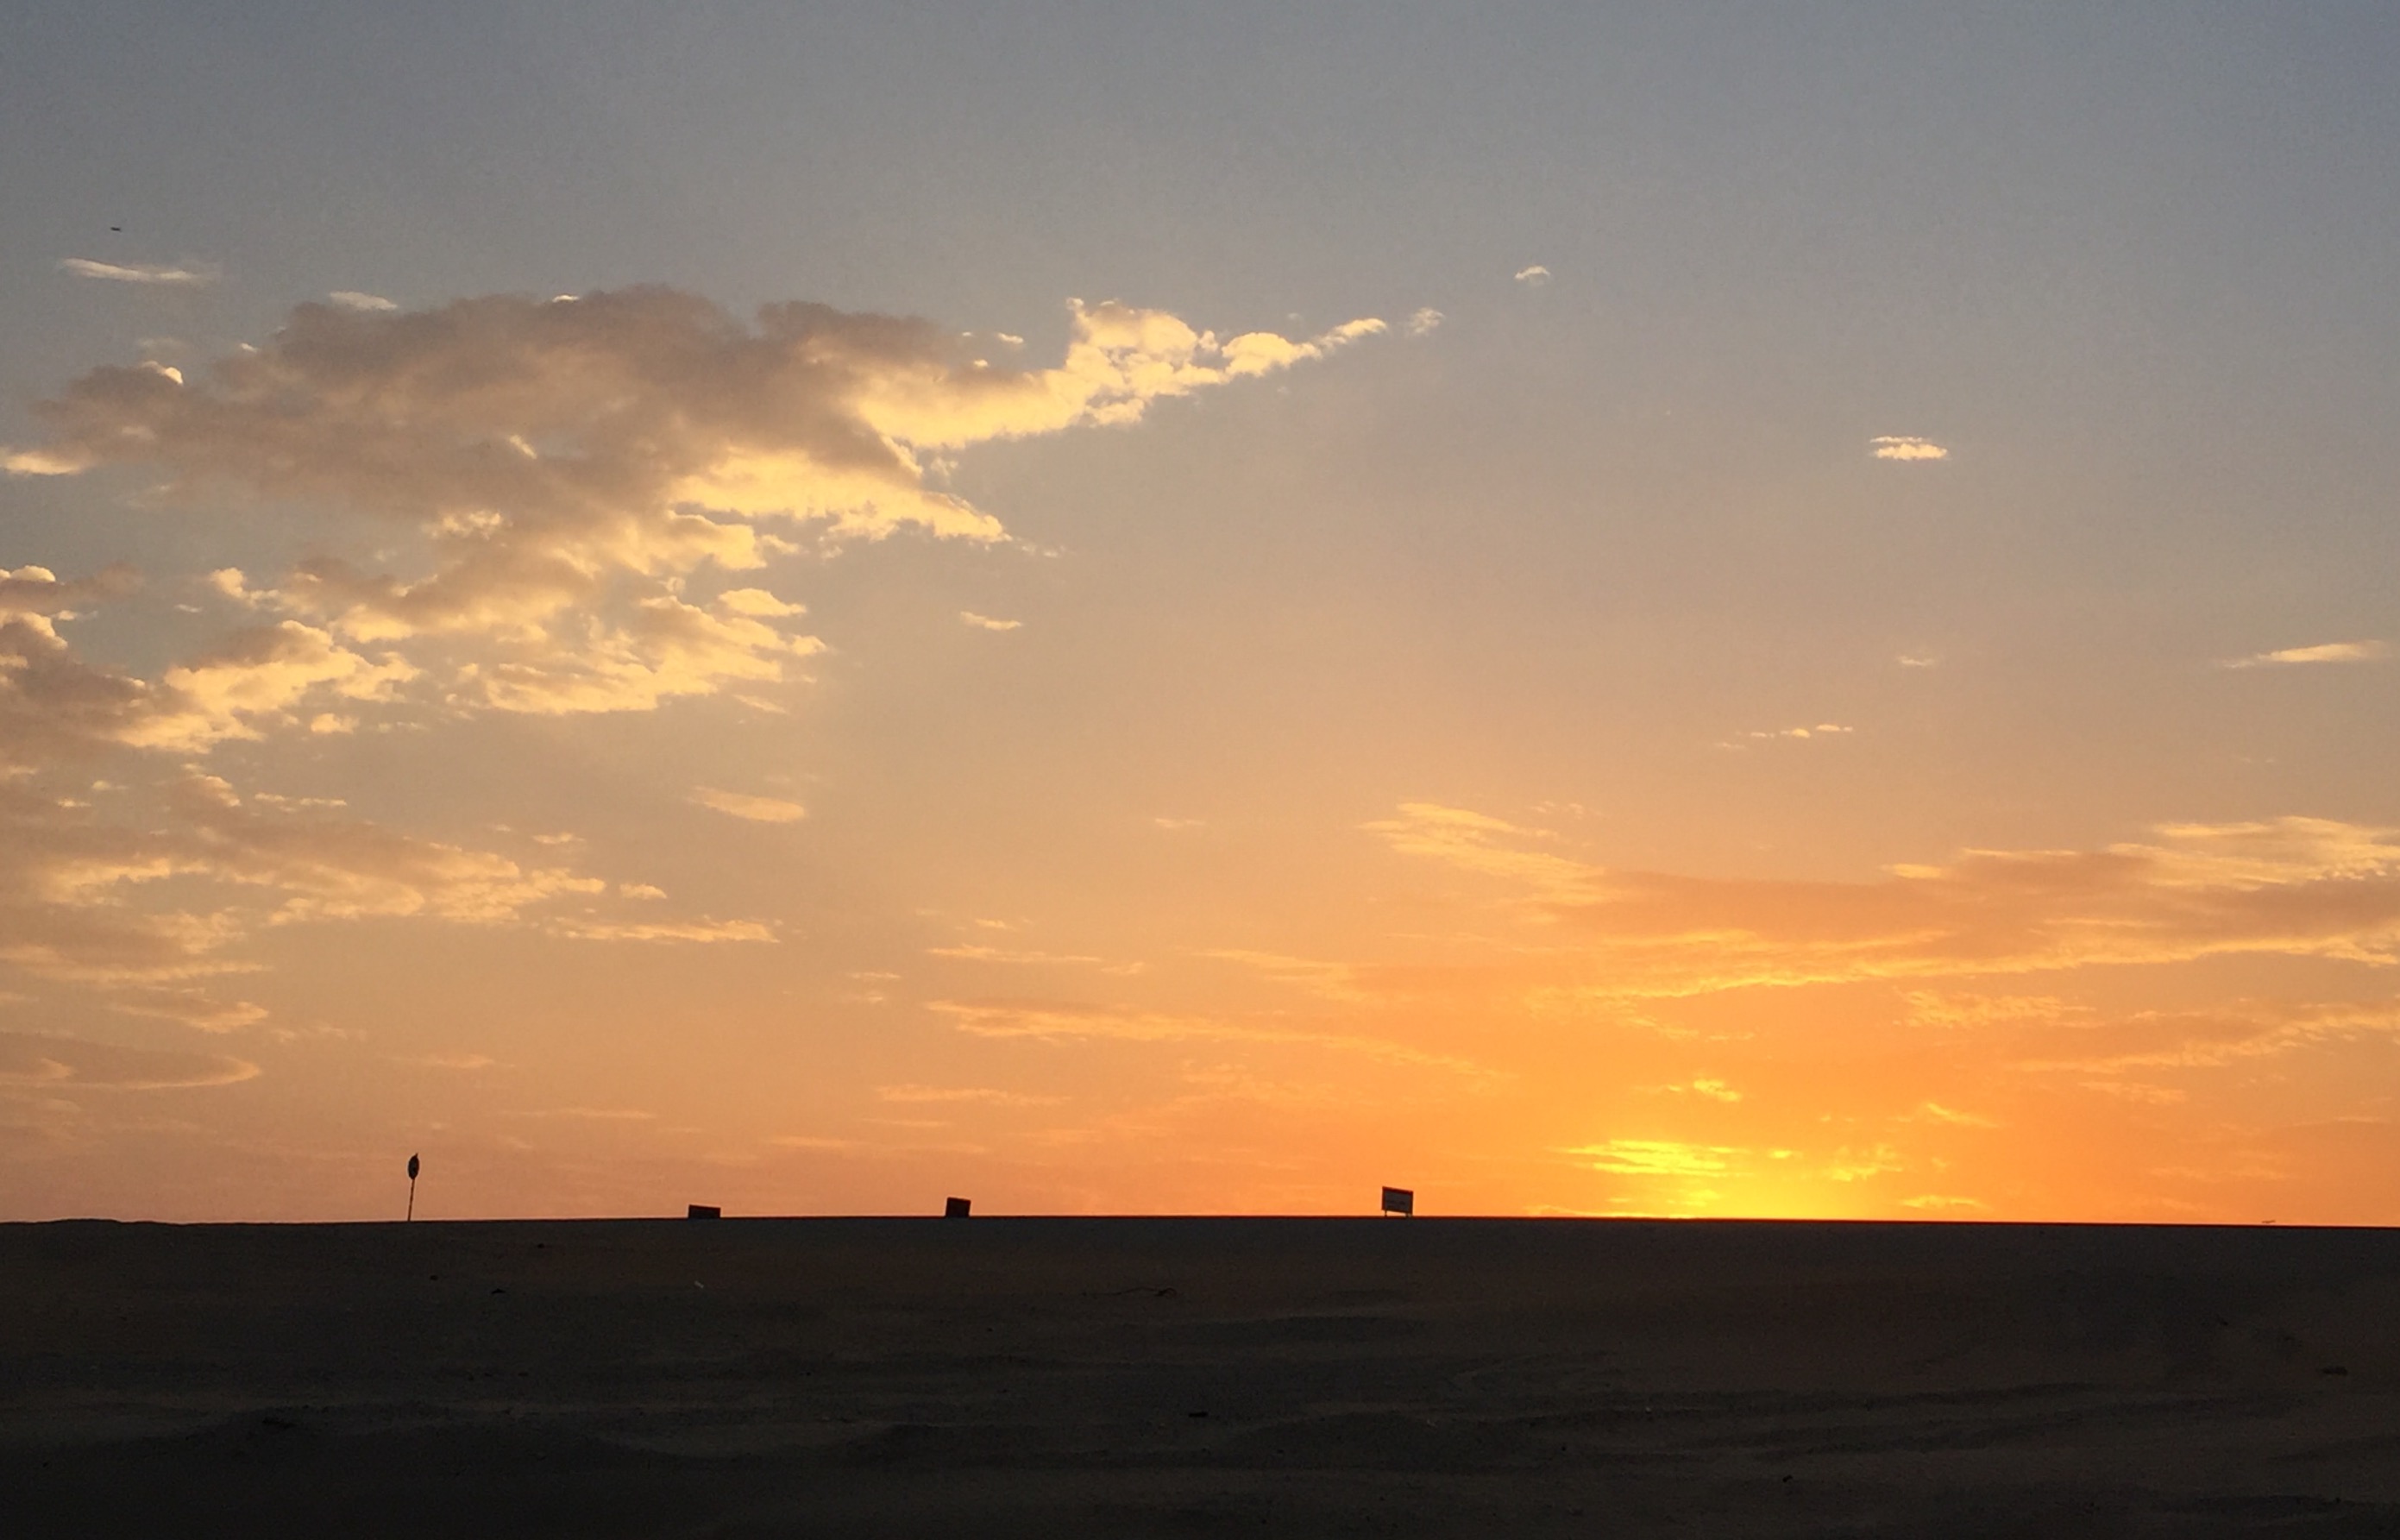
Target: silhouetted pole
{"type": "Point", "coordinates": [411, 1189]}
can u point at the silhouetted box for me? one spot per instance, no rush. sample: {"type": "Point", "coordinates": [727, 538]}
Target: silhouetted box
{"type": "Point", "coordinates": [955, 1208]}
{"type": "Point", "coordinates": [703, 1211]}
{"type": "Point", "coordinates": [1399, 1200]}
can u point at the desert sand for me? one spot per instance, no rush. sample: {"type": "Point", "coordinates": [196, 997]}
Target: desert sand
{"type": "Point", "coordinates": [1059, 1377]}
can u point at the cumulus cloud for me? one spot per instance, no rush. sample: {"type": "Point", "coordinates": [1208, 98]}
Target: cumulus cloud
{"type": "Point", "coordinates": [1533, 276]}
{"type": "Point", "coordinates": [758, 810]}
{"type": "Point", "coordinates": [664, 648]}
{"type": "Point", "coordinates": [568, 462]}
{"type": "Point", "coordinates": [985, 622]}
{"type": "Point", "coordinates": [54, 705]}
{"type": "Point", "coordinates": [1905, 447]}
{"type": "Point", "coordinates": [138, 272]}
{"type": "Point", "coordinates": [261, 673]}
{"type": "Point", "coordinates": [2326, 652]}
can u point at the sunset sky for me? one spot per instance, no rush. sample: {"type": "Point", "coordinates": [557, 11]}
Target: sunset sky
{"type": "Point", "coordinates": [1681, 609]}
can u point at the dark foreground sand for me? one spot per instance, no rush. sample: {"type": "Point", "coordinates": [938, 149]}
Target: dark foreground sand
{"type": "Point", "coordinates": [1197, 1377]}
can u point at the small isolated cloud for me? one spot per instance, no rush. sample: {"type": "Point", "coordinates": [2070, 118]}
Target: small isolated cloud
{"type": "Point", "coordinates": [350, 299]}
{"type": "Point", "coordinates": [452, 1062]}
{"type": "Point", "coordinates": [985, 622]}
{"type": "Point", "coordinates": [138, 272]}
{"type": "Point", "coordinates": [699, 932]}
{"type": "Point", "coordinates": [1906, 447]}
{"type": "Point", "coordinates": [1422, 322]}
{"type": "Point", "coordinates": [759, 810]}
{"type": "Point", "coordinates": [2326, 652]}
{"type": "Point", "coordinates": [986, 1094]}
{"type": "Point", "coordinates": [1919, 659]}
{"type": "Point", "coordinates": [1533, 276]}
{"type": "Point", "coordinates": [1820, 729]}
{"type": "Point", "coordinates": [758, 603]}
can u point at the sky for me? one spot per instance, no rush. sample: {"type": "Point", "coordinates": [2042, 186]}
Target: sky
{"type": "Point", "coordinates": [1670, 609]}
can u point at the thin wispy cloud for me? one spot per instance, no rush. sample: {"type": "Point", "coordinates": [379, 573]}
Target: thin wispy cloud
{"type": "Point", "coordinates": [65, 1065]}
{"type": "Point", "coordinates": [758, 810]}
{"type": "Point", "coordinates": [1905, 447]}
{"type": "Point", "coordinates": [985, 622]}
{"type": "Point", "coordinates": [975, 1094]}
{"type": "Point", "coordinates": [1533, 277]}
{"type": "Point", "coordinates": [1803, 734]}
{"type": "Point", "coordinates": [351, 299]}
{"type": "Point", "coordinates": [1422, 322]}
{"type": "Point", "coordinates": [138, 272]}
{"type": "Point", "coordinates": [2288, 887]}
{"type": "Point", "coordinates": [2324, 652]}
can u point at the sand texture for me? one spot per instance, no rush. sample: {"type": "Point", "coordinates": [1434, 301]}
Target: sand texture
{"type": "Point", "coordinates": [1197, 1377]}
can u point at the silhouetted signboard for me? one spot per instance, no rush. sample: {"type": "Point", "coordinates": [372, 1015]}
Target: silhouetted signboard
{"type": "Point", "coordinates": [703, 1211]}
{"type": "Point", "coordinates": [955, 1208]}
{"type": "Point", "coordinates": [1399, 1200]}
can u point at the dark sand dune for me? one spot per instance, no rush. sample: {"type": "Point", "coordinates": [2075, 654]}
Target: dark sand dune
{"type": "Point", "coordinates": [1197, 1377]}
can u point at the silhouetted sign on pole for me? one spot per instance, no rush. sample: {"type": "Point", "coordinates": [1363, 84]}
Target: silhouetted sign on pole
{"type": "Point", "coordinates": [1399, 1200]}
{"type": "Point", "coordinates": [703, 1211]}
{"type": "Point", "coordinates": [955, 1208]}
{"type": "Point", "coordinates": [412, 1188]}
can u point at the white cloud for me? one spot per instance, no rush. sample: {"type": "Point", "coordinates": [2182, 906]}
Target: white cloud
{"type": "Point", "coordinates": [1903, 447]}
{"type": "Point", "coordinates": [1422, 322]}
{"type": "Point", "coordinates": [138, 272]}
{"type": "Point", "coordinates": [759, 810]}
{"type": "Point", "coordinates": [1533, 276]}
{"type": "Point", "coordinates": [350, 299]}
{"type": "Point", "coordinates": [2326, 652]}
{"type": "Point", "coordinates": [985, 622]}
